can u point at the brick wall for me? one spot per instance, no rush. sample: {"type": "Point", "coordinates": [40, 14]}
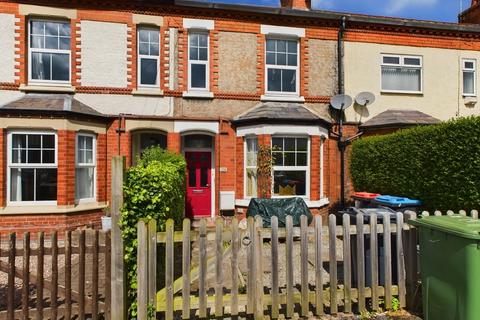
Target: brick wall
{"type": "Point", "coordinates": [3, 167]}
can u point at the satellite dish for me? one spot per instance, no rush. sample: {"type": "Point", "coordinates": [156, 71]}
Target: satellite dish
{"type": "Point", "coordinates": [365, 98]}
{"type": "Point", "coordinates": [341, 101]}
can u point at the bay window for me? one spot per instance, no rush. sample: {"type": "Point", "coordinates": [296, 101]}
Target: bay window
{"type": "Point", "coordinates": [282, 71]}
{"type": "Point", "coordinates": [198, 62]}
{"type": "Point", "coordinates": [32, 167]}
{"type": "Point", "coordinates": [251, 149]}
{"type": "Point", "coordinates": [148, 57]}
{"type": "Point", "coordinates": [49, 51]}
{"type": "Point", "coordinates": [85, 167]}
{"type": "Point", "coordinates": [291, 166]}
{"type": "Point", "coordinates": [469, 72]}
{"type": "Point", "coordinates": [401, 74]}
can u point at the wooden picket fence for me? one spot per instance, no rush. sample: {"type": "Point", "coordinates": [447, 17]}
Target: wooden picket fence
{"type": "Point", "coordinates": [74, 270]}
{"type": "Point", "coordinates": [210, 256]}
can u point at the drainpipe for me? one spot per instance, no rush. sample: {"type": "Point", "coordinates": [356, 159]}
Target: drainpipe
{"type": "Point", "coordinates": [340, 54]}
{"type": "Point", "coordinates": [120, 129]}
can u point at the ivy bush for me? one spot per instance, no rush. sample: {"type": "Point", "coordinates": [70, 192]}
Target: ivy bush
{"type": "Point", "coordinates": [439, 165]}
{"type": "Point", "coordinates": [153, 189]}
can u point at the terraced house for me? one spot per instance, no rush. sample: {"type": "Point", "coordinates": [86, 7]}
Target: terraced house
{"type": "Point", "coordinates": [82, 81]}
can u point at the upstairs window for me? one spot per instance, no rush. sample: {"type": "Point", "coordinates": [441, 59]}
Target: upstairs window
{"type": "Point", "coordinates": [85, 167]}
{"type": "Point", "coordinates": [198, 65]}
{"type": "Point", "coordinates": [32, 167]}
{"type": "Point", "coordinates": [148, 57]}
{"type": "Point", "coordinates": [469, 72]}
{"type": "Point", "coordinates": [49, 51]}
{"type": "Point", "coordinates": [401, 74]}
{"type": "Point", "coordinates": [282, 66]}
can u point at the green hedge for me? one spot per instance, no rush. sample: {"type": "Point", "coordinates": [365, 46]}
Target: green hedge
{"type": "Point", "coordinates": [439, 165]}
{"type": "Point", "coordinates": [153, 189]}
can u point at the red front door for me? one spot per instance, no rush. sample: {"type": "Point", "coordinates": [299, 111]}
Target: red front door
{"type": "Point", "coordinates": [199, 190]}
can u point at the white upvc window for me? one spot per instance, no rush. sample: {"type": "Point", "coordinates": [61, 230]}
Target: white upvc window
{"type": "Point", "coordinates": [85, 169]}
{"type": "Point", "coordinates": [282, 67]}
{"type": "Point", "coordinates": [198, 61]}
{"type": "Point", "coordinates": [251, 177]}
{"type": "Point", "coordinates": [49, 52]}
{"type": "Point", "coordinates": [148, 57]}
{"type": "Point", "coordinates": [469, 70]}
{"type": "Point", "coordinates": [291, 170]}
{"type": "Point", "coordinates": [31, 168]}
{"type": "Point", "coordinates": [401, 73]}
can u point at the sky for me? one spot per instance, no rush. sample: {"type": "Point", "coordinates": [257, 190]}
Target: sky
{"type": "Point", "coordinates": [438, 10]}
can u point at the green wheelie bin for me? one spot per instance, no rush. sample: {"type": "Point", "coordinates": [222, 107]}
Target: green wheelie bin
{"type": "Point", "coordinates": [450, 267]}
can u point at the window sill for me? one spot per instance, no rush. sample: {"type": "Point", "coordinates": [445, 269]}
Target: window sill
{"type": "Point", "coordinates": [198, 94]}
{"type": "Point", "coordinates": [46, 88]}
{"type": "Point", "coordinates": [51, 209]}
{"type": "Point", "coordinates": [311, 204]}
{"type": "Point", "coordinates": [147, 92]}
{"type": "Point", "coordinates": [415, 93]}
{"type": "Point", "coordinates": [267, 97]}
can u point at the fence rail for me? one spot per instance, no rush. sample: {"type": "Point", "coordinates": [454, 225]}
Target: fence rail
{"type": "Point", "coordinates": [74, 271]}
{"type": "Point", "coordinates": [228, 270]}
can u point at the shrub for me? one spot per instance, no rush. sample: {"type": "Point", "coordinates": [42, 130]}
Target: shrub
{"type": "Point", "coordinates": [439, 165]}
{"type": "Point", "coordinates": [154, 189]}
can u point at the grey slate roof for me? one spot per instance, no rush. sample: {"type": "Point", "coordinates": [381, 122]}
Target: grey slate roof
{"type": "Point", "coordinates": [392, 118]}
{"type": "Point", "coordinates": [279, 112]}
{"type": "Point", "coordinates": [53, 103]}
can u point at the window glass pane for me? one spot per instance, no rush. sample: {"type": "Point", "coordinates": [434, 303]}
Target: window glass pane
{"type": "Point", "coordinates": [46, 184]}
{"type": "Point", "coordinates": [51, 28]}
{"type": "Point", "coordinates": [198, 141]}
{"type": "Point", "coordinates": [48, 141]}
{"type": "Point", "coordinates": [198, 76]}
{"type": "Point", "coordinates": [288, 80]}
{"type": "Point", "coordinates": [22, 185]}
{"type": "Point", "coordinates": [154, 49]}
{"type": "Point", "coordinates": [292, 60]}
{"type": "Point", "coordinates": [88, 142]}
{"type": "Point", "coordinates": [281, 59]}
{"type": "Point", "coordinates": [60, 67]}
{"type": "Point", "coordinates": [274, 80]}
{"type": "Point", "coordinates": [143, 48]}
{"type": "Point", "coordinates": [192, 178]}
{"type": "Point", "coordinates": [412, 61]}
{"type": "Point", "coordinates": [277, 158]}
{"type": "Point", "coordinates": [289, 144]}
{"type": "Point", "coordinates": [203, 54]}
{"type": "Point", "coordinates": [194, 40]}
{"type": "Point", "coordinates": [65, 43]}
{"type": "Point", "coordinates": [292, 46]}
{"type": "Point", "coordinates": [19, 156]}
{"type": "Point", "coordinates": [204, 177]}
{"type": "Point", "coordinates": [468, 82]}
{"type": "Point", "coordinates": [277, 144]}
{"type": "Point", "coordinates": [48, 156]}
{"type": "Point", "coordinates": [84, 187]}
{"type": "Point", "coordinates": [289, 183]}
{"type": "Point", "coordinates": [51, 42]}
{"type": "Point", "coordinates": [143, 35]}
{"type": "Point", "coordinates": [34, 156]}
{"type": "Point", "coordinates": [34, 140]}
{"type": "Point", "coordinates": [203, 40]}
{"type": "Point", "coordinates": [401, 79]}
{"type": "Point", "coordinates": [469, 65]}
{"type": "Point", "coordinates": [391, 60]}
{"type": "Point", "coordinates": [148, 71]}
{"type": "Point", "coordinates": [64, 29]}
{"type": "Point", "coordinates": [37, 27]}
{"type": "Point", "coordinates": [289, 159]}
{"type": "Point", "coordinates": [302, 144]}
{"type": "Point", "coordinates": [193, 53]}
{"type": "Point", "coordinates": [40, 66]}
{"type": "Point", "coordinates": [301, 159]}
{"type": "Point", "coordinates": [251, 183]}
{"type": "Point", "coordinates": [37, 42]}
{"type": "Point", "coordinates": [19, 141]}
{"type": "Point", "coordinates": [281, 46]}
{"type": "Point", "coordinates": [148, 140]}
{"type": "Point", "coordinates": [270, 58]}
{"type": "Point", "coordinates": [270, 45]}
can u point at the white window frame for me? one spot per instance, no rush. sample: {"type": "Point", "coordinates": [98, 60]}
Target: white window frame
{"type": "Point", "coordinates": [87, 165]}
{"type": "Point", "coordinates": [293, 168]}
{"type": "Point", "coordinates": [286, 67]}
{"type": "Point", "coordinates": [204, 62]}
{"type": "Point", "coordinates": [146, 56]}
{"type": "Point", "coordinates": [11, 165]}
{"type": "Point", "coordinates": [246, 166]}
{"type": "Point", "coordinates": [401, 64]}
{"type": "Point", "coordinates": [468, 70]}
{"type": "Point", "coordinates": [31, 50]}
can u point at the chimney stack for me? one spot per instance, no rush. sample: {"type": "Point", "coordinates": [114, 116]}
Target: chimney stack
{"type": "Point", "coordinates": [296, 4]}
{"type": "Point", "coordinates": [472, 14]}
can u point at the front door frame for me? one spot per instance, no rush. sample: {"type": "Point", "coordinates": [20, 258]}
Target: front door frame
{"type": "Point", "coordinates": [212, 158]}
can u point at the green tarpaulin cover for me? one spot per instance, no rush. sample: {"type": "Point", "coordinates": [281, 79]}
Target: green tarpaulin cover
{"type": "Point", "coordinates": [267, 208]}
